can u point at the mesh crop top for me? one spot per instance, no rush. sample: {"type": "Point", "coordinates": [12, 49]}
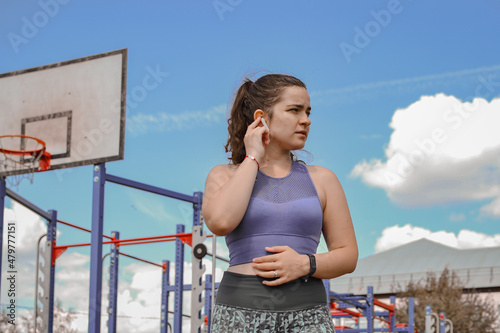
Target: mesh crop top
{"type": "Point", "coordinates": [281, 211]}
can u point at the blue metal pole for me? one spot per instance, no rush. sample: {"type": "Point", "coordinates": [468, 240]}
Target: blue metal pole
{"type": "Point", "coordinates": [165, 281]}
{"type": "Point", "coordinates": [51, 239]}
{"type": "Point", "coordinates": [179, 279]}
{"type": "Point", "coordinates": [3, 192]}
{"type": "Point", "coordinates": [95, 293]}
{"type": "Point", "coordinates": [411, 315]}
{"type": "Point", "coordinates": [369, 310]}
{"type": "Point", "coordinates": [392, 323]}
{"type": "Point", "coordinates": [208, 300]}
{"type": "Point", "coordinates": [197, 197]}
{"type": "Point", "coordinates": [442, 322]}
{"type": "Point", "coordinates": [113, 284]}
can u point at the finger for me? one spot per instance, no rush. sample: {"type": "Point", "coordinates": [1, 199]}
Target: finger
{"type": "Point", "coordinates": [277, 249]}
{"type": "Point", "coordinates": [255, 123]}
{"type": "Point", "coordinates": [268, 258]}
{"type": "Point", "coordinates": [276, 282]}
{"type": "Point", "coordinates": [266, 267]}
{"type": "Point", "coordinates": [268, 273]}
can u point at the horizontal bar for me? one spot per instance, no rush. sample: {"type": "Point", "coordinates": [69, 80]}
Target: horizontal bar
{"type": "Point", "coordinates": [31, 206]}
{"type": "Point", "coordinates": [172, 287]}
{"type": "Point", "coordinates": [81, 228]}
{"type": "Point", "coordinates": [347, 304]}
{"type": "Point", "coordinates": [70, 245]}
{"type": "Point", "coordinates": [143, 260]}
{"type": "Point", "coordinates": [152, 189]}
{"type": "Point", "coordinates": [143, 240]}
{"type": "Point", "coordinates": [389, 307]}
{"type": "Point", "coordinates": [220, 258]}
{"type": "Point", "coordinates": [350, 312]}
{"type": "Point", "coordinates": [181, 235]}
{"type": "Point", "coordinates": [148, 241]}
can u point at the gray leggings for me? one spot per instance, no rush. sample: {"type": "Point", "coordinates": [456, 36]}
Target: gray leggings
{"type": "Point", "coordinates": [229, 319]}
{"type": "Point", "coordinates": [245, 305]}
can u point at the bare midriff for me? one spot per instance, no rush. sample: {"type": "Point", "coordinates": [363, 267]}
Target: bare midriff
{"type": "Point", "coordinates": [242, 269]}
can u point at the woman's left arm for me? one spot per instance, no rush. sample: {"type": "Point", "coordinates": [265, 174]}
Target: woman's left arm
{"type": "Point", "coordinates": [342, 255]}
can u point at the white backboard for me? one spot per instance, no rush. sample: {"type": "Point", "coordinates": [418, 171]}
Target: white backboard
{"type": "Point", "coordinates": [76, 107]}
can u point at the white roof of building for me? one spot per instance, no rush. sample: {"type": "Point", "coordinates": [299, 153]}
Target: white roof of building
{"type": "Point", "coordinates": [476, 268]}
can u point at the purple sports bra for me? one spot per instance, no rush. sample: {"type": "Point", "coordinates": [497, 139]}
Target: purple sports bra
{"type": "Point", "coordinates": [281, 211]}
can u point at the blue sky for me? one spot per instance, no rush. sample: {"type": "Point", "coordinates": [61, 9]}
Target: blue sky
{"type": "Point", "coordinates": [384, 77]}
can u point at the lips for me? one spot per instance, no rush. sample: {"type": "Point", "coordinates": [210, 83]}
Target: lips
{"type": "Point", "coordinates": [304, 133]}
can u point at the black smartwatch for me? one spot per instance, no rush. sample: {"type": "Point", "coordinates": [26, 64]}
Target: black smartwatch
{"type": "Point", "coordinates": [312, 262]}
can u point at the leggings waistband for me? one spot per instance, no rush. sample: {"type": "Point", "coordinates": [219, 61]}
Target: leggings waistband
{"type": "Point", "coordinates": [247, 291]}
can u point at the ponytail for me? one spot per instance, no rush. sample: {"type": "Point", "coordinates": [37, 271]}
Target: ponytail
{"type": "Point", "coordinates": [239, 119]}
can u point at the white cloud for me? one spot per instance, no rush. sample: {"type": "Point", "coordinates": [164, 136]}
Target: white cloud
{"type": "Point", "coordinates": [28, 227]}
{"type": "Point", "coordinates": [25, 229]}
{"type": "Point", "coordinates": [142, 123]}
{"type": "Point", "coordinates": [466, 239]}
{"type": "Point", "coordinates": [492, 209]}
{"type": "Point", "coordinates": [441, 150]}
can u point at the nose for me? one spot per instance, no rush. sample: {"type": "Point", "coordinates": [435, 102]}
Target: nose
{"type": "Point", "coordinates": [305, 120]}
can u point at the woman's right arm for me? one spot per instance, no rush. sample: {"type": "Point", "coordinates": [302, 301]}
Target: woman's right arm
{"type": "Point", "coordinates": [228, 188]}
{"type": "Point", "coordinates": [227, 193]}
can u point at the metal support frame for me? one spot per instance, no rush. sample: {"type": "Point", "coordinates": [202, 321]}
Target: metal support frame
{"type": "Point", "coordinates": [165, 281]}
{"type": "Point", "coordinates": [46, 312]}
{"type": "Point", "coordinates": [370, 309]}
{"type": "Point", "coordinates": [179, 279]}
{"type": "Point", "coordinates": [411, 315]}
{"type": "Point", "coordinates": [46, 299]}
{"type": "Point", "coordinates": [197, 270]}
{"type": "Point", "coordinates": [366, 307]}
{"type": "Point", "coordinates": [437, 323]}
{"type": "Point", "coordinates": [99, 177]}
{"type": "Point", "coordinates": [113, 283]}
{"type": "Point", "coordinates": [208, 300]}
{"type": "Point", "coordinates": [3, 194]}
{"type": "Point", "coordinates": [392, 319]}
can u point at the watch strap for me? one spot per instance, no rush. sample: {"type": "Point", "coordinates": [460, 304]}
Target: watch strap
{"type": "Point", "coordinates": [312, 270]}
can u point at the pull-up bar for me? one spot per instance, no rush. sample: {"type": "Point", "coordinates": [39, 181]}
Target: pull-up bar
{"type": "Point", "coordinates": [164, 266]}
{"type": "Point", "coordinates": [81, 228]}
{"type": "Point", "coordinates": [185, 237]}
{"type": "Point", "coordinates": [151, 189]}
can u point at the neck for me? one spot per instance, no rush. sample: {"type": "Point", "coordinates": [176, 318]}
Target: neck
{"type": "Point", "coordinates": [276, 163]}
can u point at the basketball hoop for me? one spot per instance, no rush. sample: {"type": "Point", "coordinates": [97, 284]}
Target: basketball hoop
{"type": "Point", "coordinates": [23, 155]}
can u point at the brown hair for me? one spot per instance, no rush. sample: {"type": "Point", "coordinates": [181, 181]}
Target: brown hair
{"type": "Point", "coordinates": [262, 94]}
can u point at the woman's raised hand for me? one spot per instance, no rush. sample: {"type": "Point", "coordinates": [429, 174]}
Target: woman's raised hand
{"type": "Point", "coordinates": [256, 138]}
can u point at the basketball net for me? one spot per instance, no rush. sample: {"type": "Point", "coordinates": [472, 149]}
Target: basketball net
{"type": "Point", "coordinates": [21, 156]}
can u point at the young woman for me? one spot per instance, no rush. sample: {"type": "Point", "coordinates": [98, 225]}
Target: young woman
{"type": "Point", "coordinates": [272, 210]}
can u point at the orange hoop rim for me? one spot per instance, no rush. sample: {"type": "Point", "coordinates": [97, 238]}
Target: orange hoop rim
{"type": "Point", "coordinates": [22, 152]}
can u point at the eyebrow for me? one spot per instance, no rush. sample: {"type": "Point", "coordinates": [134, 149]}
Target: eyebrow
{"type": "Point", "coordinates": [300, 106]}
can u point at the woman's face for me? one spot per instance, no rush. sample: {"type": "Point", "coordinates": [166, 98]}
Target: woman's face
{"type": "Point", "coordinates": [289, 125]}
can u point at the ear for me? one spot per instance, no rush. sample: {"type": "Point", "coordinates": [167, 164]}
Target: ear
{"type": "Point", "coordinates": [258, 113]}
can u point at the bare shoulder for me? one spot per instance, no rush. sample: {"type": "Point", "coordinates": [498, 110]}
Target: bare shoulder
{"type": "Point", "coordinates": [218, 176]}
{"type": "Point", "coordinates": [322, 175]}
{"type": "Point", "coordinates": [223, 168]}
